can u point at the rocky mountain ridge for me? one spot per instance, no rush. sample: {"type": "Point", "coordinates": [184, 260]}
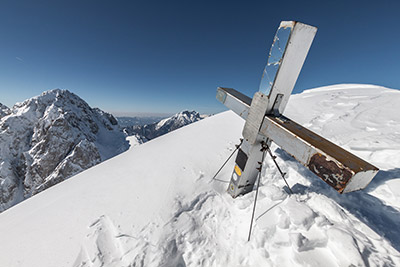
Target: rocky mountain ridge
{"type": "Point", "coordinates": [4, 110]}
{"type": "Point", "coordinates": [49, 138]}
{"type": "Point", "coordinates": [154, 130]}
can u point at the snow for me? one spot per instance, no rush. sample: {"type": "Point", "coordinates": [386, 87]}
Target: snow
{"type": "Point", "coordinates": [134, 140]}
{"type": "Point", "coordinates": [156, 204]}
{"type": "Point", "coordinates": [49, 138]}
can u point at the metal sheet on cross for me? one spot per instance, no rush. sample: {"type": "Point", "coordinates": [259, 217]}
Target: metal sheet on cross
{"type": "Point", "coordinates": [255, 118]}
{"type": "Point", "coordinates": [339, 168]}
{"type": "Point", "coordinates": [287, 55]}
{"type": "Point", "coordinates": [285, 60]}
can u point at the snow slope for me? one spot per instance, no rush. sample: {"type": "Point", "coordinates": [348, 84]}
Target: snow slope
{"type": "Point", "coordinates": [155, 205]}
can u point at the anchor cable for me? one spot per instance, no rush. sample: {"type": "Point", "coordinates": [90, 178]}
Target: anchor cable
{"type": "Point", "coordinates": [263, 149]}
{"type": "Point", "coordinates": [283, 174]}
{"type": "Point", "coordinates": [223, 165]}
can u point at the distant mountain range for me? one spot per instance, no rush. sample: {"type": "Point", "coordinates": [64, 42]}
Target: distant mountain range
{"type": "Point", "coordinates": [153, 130]}
{"type": "Point", "coordinates": [132, 121]}
{"type": "Point", "coordinates": [51, 137]}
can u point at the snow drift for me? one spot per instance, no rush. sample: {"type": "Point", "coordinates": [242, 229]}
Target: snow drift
{"type": "Point", "coordinates": [156, 205]}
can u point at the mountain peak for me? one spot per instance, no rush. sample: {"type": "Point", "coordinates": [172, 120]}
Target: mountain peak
{"type": "Point", "coordinates": [4, 110]}
{"type": "Point", "coordinates": [178, 120]}
{"type": "Point", "coordinates": [60, 96]}
{"type": "Point", "coordinates": [188, 114]}
{"type": "Point", "coordinates": [49, 138]}
{"type": "Point", "coordinates": [151, 131]}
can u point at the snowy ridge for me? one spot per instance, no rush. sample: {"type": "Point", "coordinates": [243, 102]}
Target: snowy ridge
{"type": "Point", "coordinates": [178, 120]}
{"type": "Point", "coordinates": [4, 110]}
{"type": "Point", "coordinates": [346, 86]}
{"type": "Point", "coordinates": [363, 119]}
{"type": "Point", "coordinates": [156, 205]}
{"type": "Point", "coordinates": [136, 139]}
{"type": "Point", "coordinates": [49, 138]}
{"type": "Point", "coordinates": [151, 131]}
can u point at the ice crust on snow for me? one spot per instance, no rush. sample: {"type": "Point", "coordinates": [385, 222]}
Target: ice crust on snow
{"type": "Point", "coordinates": [155, 205]}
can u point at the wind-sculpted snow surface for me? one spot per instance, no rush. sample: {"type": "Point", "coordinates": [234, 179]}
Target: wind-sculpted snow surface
{"type": "Point", "coordinates": [50, 138]}
{"type": "Point", "coordinates": [157, 205]}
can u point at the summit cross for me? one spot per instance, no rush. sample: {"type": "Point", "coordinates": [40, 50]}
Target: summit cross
{"type": "Point", "coordinates": [265, 123]}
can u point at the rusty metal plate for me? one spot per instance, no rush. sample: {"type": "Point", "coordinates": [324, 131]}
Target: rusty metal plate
{"type": "Point", "coordinates": [329, 171]}
{"type": "Point", "coordinates": [339, 168]}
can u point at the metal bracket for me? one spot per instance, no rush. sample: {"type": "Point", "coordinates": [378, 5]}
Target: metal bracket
{"type": "Point", "coordinates": [255, 118]}
{"type": "Point", "coordinates": [277, 103]}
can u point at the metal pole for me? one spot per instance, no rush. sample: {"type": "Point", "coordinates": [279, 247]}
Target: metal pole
{"type": "Point", "coordinates": [283, 174]}
{"type": "Point", "coordinates": [263, 149]}
{"type": "Point", "coordinates": [223, 165]}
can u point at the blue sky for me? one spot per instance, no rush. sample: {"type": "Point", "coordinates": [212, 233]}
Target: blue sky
{"type": "Point", "coordinates": [166, 56]}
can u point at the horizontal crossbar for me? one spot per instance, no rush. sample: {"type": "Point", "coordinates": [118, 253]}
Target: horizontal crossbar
{"type": "Point", "coordinates": [339, 168]}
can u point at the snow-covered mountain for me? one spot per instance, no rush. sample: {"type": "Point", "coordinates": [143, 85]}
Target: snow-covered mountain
{"type": "Point", "coordinates": [4, 110]}
{"type": "Point", "coordinates": [49, 138]}
{"type": "Point", "coordinates": [151, 131]}
{"type": "Point", "coordinates": [157, 205]}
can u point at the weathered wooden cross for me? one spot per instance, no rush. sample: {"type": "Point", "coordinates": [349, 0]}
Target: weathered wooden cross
{"type": "Point", "coordinates": [339, 168]}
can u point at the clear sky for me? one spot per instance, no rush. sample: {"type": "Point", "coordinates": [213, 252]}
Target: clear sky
{"type": "Point", "coordinates": [166, 56]}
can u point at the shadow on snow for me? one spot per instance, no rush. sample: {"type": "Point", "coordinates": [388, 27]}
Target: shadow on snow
{"type": "Point", "coordinates": [372, 211]}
